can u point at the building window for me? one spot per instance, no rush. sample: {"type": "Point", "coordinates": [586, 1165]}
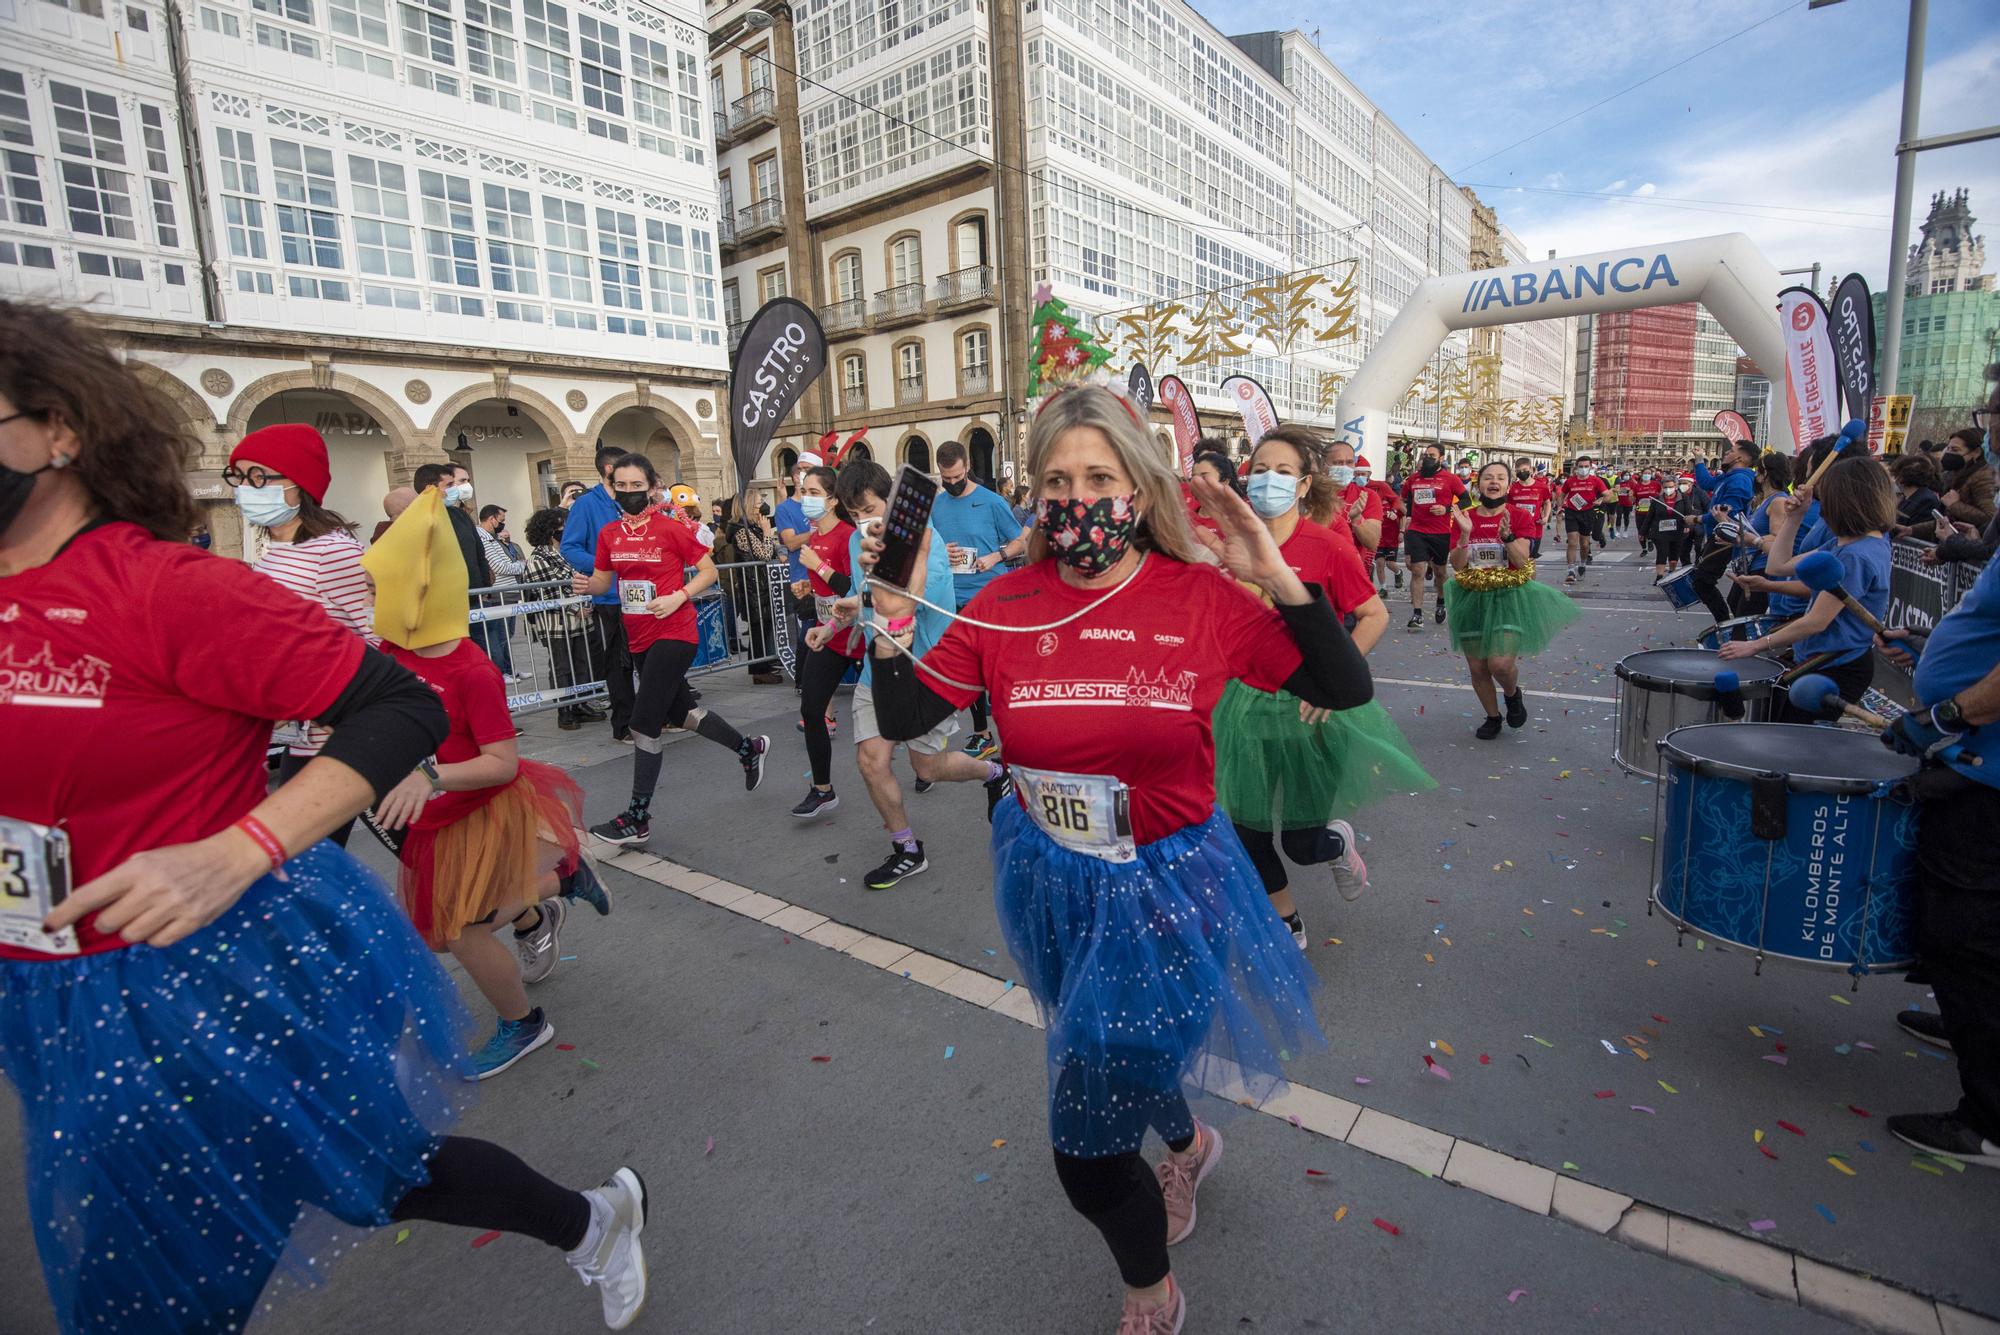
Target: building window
{"type": "Point", "coordinates": [87, 124]}
{"type": "Point", "coordinates": [298, 11]}
{"type": "Point", "coordinates": [603, 80]}
{"type": "Point", "coordinates": [366, 19]}
{"type": "Point", "coordinates": [510, 250]}
{"type": "Point", "coordinates": [764, 178]}
{"type": "Point", "coordinates": [258, 284]}
{"type": "Point", "coordinates": [771, 284]}
{"type": "Point", "coordinates": [220, 21]}
{"type": "Point", "coordinates": [383, 238]}
{"type": "Point", "coordinates": [427, 32]}
{"type": "Point", "coordinates": [489, 44]}
{"type": "Point", "coordinates": [392, 298]}
{"type": "Point", "coordinates": [317, 289]}
{"type": "Point", "coordinates": [567, 257]}
{"type": "Point", "coordinates": [308, 221]}
{"type": "Point", "coordinates": [99, 200]}
{"type": "Point", "coordinates": [847, 276]}
{"type": "Point", "coordinates": [910, 373]}
{"type": "Point", "coordinates": [667, 272]}
{"type": "Point", "coordinates": [449, 240]}
{"type": "Point", "coordinates": [618, 268]}
{"type": "Point", "coordinates": [906, 261]}
{"type": "Point", "coordinates": [546, 27]}
{"type": "Point", "coordinates": [242, 211]}
{"type": "Point", "coordinates": [284, 39]}
{"type": "Point", "coordinates": [110, 266]}
{"type": "Point", "coordinates": [757, 69]}
{"type": "Point", "coordinates": [725, 193]}
{"type": "Point", "coordinates": [968, 239]}
{"type": "Point", "coordinates": [21, 197]}
{"type": "Point", "coordinates": [363, 62]}
{"type": "Point", "coordinates": [854, 371]}
{"type": "Point", "coordinates": [652, 82]}
{"type": "Point", "coordinates": [975, 359]}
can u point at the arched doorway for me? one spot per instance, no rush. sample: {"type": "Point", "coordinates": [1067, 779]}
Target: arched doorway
{"type": "Point", "coordinates": [640, 431]}
{"type": "Point", "coordinates": [361, 450]}
{"type": "Point", "coordinates": [917, 454]}
{"type": "Point", "coordinates": [859, 450]}
{"type": "Point", "coordinates": [511, 448]}
{"type": "Point", "coordinates": [784, 461]}
{"type": "Point", "coordinates": [979, 454]}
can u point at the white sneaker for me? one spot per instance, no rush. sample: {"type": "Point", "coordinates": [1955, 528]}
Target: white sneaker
{"type": "Point", "coordinates": [1350, 873]}
{"type": "Point", "coordinates": [617, 1264]}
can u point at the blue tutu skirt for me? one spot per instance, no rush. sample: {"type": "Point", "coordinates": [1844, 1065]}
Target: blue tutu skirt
{"type": "Point", "coordinates": [1157, 979]}
{"type": "Point", "coordinates": [195, 1114]}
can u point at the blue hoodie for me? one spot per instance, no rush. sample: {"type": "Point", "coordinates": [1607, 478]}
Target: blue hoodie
{"type": "Point", "coordinates": [588, 515]}
{"type": "Point", "coordinates": [1733, 491]}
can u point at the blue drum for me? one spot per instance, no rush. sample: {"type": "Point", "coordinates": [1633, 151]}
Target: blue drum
{"type": "Point", "coordinates": [1783, 838]}
{"type": "Point", "coordinates": [1679, 588]}
{"type": "Point", "coordinates": [1740, 628]}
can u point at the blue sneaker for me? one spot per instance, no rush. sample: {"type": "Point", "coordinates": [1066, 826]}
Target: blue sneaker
{"type": "Point", "coordinates": [583, 884]}
{"type": "Point", "coordinates": [511, 1041]}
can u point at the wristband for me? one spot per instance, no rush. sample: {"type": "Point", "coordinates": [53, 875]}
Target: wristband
{"type": "Point", "coordinates": [899, 625]}
{"type": "Point", "coordinates": [264, 839]}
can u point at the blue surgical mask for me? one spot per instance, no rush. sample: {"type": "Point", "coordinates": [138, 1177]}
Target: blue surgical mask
{"type": "Point", "coordinates": [459, 494]}
{"type": "Point", "coordinates": [1271, 494]}
{"type": "Point", "coordinates": [265, 506]}
{"type": "Point", "coordinates": [1342, 474]}
{"type": "Point", "coordinates": [814, 506]}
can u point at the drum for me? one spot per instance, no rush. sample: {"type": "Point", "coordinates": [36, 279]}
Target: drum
{"type": "Point", "coordinates": [1782, 838]}
{"type": "Point", "coordinates": [1741, 628]}
{"type": "Point", "coordinates": [1664, 689]}
{"type": "Point", "coordinates": [1679, 588]}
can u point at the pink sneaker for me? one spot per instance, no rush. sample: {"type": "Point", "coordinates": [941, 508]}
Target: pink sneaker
{"type": "Point", "coordinates": [1165, 1319]}
{"type": "Point", "coordinates": [1350, 873]}
{"type": "Point", "coordinates": [1180, 1178]}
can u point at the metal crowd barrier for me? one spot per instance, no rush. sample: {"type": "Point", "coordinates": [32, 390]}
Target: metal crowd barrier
{"type": "Point", "coordinates": [544, 640]}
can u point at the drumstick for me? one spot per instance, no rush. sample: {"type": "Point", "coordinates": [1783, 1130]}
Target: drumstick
{"type": "Point", "coordinates": [1813, 664]}
{"type": "Point", "coordinates": [1821, 572]}
{"type": "Point", "coordinates": [1729, 694]}
{"type": "Point", "coordinates": [1850, 433]}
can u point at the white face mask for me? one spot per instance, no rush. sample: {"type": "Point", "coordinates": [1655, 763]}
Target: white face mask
{"type": "Point", "coordinates": [459, 494]}
{"type": "Point", "coordinates": [1586, 471]}
{"type": "Point", "coordinates": [265, 506]}
{"type": "Point", "coordinates": [1342, 474]}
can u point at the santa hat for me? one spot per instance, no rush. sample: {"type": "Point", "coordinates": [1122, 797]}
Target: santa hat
{"type": "Point", "coordinates": [292, 449]}
{"type": "Point", "coordinates": [420, 578]}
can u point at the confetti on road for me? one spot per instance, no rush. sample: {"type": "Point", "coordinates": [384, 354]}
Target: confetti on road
{"type": "Point", "coordinates": [1762, 1225]}
{"type": "Point", "coordinates": [709, 1148]}
{"type": "Point", "coordinates": [1859, 1112]}
{"type": "Point", "coordinates": [591, 1064]}
{"type": "Point", "coordinates": [1837, 997]}
{"type": "Point", "coordinates": [1787, 1126]}
{"type": "Point", "coordinates": [1607, 1046]}
{"type": "Point", "coordinates": [1388, 1228]}
{"type": "Point", "coordinates": [1930, 1168]}
{"type": "Point", "coordinates": [1825, 1213]}
{"type": "Point", "coordinates": [949, 1050]}
{"type": "Point", "coordinates": [1436, 1068]}
{"type": "Point", "coordinates": [1485, 1060]}
{"type": "Point", "coordinates": [1640, 1107]}
{"type": "Point", "coordinates": [981, 1177]}
{"type": "Point", "coordinates": [402, 1236]}
{"type": "Point", "coordinates": [822, 1059]}
{"type": "Point", "coordinates": [1340, 1214]}
{"type": "Point", "coordinates": [1569, 1167]}
{"type": "Point", "coordinates": [565, 1047]}
{"type": "Point", "coordinates": [999, 1144]}
{"type": "Point", "coordinates": [1841, 1166]}
{"type": "Point", "coordinates": [1757, 1136]}
{"type": "Point", "coordinates": [1669, 1088]}
{"type": "Point", "coordinates": [1443, 1047]}
{"type": "Point", "coordinates": [485, 1238]}
{"type": "Point", "coordinates": [1362, 1080]}
{"type": "Point", "coordinates": [1515, 1295]}
{"type": "Point", "coordinates": [1315, 1172]}
{"type": "Point", "coordinates": [1543, 1041]}
{"type": "Point", "coordinates": [1777, 1060]}
{"type": "Point", "coordinates": [1606, 1094]}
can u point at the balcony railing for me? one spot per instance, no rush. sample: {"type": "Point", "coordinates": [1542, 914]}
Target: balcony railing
{"type": "Point", "coordinates": [909, 390]}
{"type": "Point", "coordinates": [766, 215]}
{"type": "Point", "coordinates": [899, 304]}
{"type": "Point", "coordinates": [725, 230]}
{"type": "Point", "coordinates": [963, 286]}
{"type": "Point", "coordinates": [854, 398]}
{"type": "Point", "coordinates": [844, 316]}
{"type": "Point", "coordinates": [736, 328]}
{"type": "Point", "coordinates": [976, 379]}
{"type": "Point", "coordinates": [721, 127]}
{"type": "Point", "coordinates": [758, 104]}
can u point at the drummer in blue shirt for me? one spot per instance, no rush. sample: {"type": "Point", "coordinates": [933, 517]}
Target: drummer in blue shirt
{"type": "Point", "coordinates": [1729, 497]}
{"type": "Point", "coordinates": [1857, 505]}
{"type": "Point", "coordinates": [1957, 688]}
{"type": "Point", "coordinates": [981, 535]}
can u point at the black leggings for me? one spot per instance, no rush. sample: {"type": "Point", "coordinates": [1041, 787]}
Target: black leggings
{"type": "Point", "coordinates": [477, 1184]}
{"type": "Point", "coordinates": [1118, 1193]}
{"type": "Point", "coordinates": [1852, 679]}
{"type": "Point", "coordinates": [665, 697]}
{"type": "Point", "coordinates": [1304, 847]}
{"type": "Point", "coordinates": [1707, 573]}
{"type": "Point", "coordinates": [819, 677]}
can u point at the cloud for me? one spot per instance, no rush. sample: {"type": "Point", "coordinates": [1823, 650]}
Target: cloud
{"type": "Point", "coordinates": [1820, 180]}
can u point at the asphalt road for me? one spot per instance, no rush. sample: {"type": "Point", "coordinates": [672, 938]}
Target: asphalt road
{"type": "Point", "coordinates": [1507, 918]}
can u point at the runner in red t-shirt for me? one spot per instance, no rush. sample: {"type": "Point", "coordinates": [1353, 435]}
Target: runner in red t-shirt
{"type": "Point", "coordinates": [1428, 497]}
{"type": "Point", "coordinates": [1577, 499]}
{"type": "Point", "coordinates": [1123, 894]}
{"type": "Point", "coordinates": [1528, 503]}
{"type": "Point", "coordinates": [828, 655]}
{"type": "Point", "coordinates": [646, 552]}
{"type": "Point", "coordinates": [1389, 547]}
{"type": "Point", "coordinates": [1646, 491]}
{"type": "Point", "coordinates": [1623, 519]}
{"type": "Point", "coordinates": [1355, 502]}
{"type": "Point", "coordinates": [1499, 613]}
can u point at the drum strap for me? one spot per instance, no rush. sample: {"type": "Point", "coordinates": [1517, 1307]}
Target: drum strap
{"type": "Point", "coordinates": [1768, 799]}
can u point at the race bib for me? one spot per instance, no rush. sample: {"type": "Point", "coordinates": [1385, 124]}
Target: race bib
{"type": "Point", "coordinates": [1578, 501]}
{"type": "Point", "coordinates": [1645, 505]}
{"type": "Point", "coordinates": [1425, 495]}
{"type": "Point", "coordinates": [34, 878]}
{"type": "Point", "coordinates": [1486, 555]}
{"type": "Point", "coordinates": [634, 594]}
{"type": "Point", "coordinates": [1668, 522]}
{"type": "Point", "coordinates": [965, 563]}
{"type": "Point", "coordinates": [1085, 813]}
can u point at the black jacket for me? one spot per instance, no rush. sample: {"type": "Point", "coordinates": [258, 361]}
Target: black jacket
{"type": "Point", "coordinates": [477, 573]}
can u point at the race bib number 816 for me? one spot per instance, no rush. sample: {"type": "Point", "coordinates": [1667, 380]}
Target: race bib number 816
{"type": "Point", "coordinates": [34, 878]}
{"type": "Point", "coordinates": [1085, 813]}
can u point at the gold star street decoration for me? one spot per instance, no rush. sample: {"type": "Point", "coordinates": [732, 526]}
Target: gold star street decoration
{"type": "Point", "coordinates": [1307, 310]}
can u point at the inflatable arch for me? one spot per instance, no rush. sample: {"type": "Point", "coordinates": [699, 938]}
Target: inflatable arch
{"type": "Point", "coordinates": [1726, 273]}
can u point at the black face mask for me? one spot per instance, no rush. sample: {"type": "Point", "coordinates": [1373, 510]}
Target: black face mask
{"type": "Point", "coordinates": [765, 509]}
{"type": "Point", "coordinates": [14, 488]}
{"type": "Point", "coordinates": [633, 502]}
{"type": "Point", "coordinates": [1951, 463]}
{"type": "Point", "coordinates": [1523, 473]}
{"type": "Point", "coordinates": [1429, 466]}
{"type": "Point", "coordinates": [959, 487]}
{"type": "Point", "coordinates": [1492, 502]}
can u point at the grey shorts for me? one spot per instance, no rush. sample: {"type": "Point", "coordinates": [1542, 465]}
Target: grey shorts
{"type": "Point", "coordinates": [931, 743]}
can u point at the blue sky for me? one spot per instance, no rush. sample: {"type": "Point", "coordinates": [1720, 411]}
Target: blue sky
{"type": "Point", "coordinates": [1785, 133]}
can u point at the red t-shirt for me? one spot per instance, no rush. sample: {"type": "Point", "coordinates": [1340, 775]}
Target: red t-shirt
{"type": "Point", "coordinates": [1126, 690]}
{"type": "Point", "coordinates": [1625, 491]}
{"type": "Point", "coordinates": [1320, 555]}
{"type": "Point", "coordinates": [1527, 500]}
{"type": "Point", "coordinates": [138, 683]}
{"type": "Point", "coordinates": [659, 547]}
{"type": "Point", "coordinates": [475, 699]}
{"type": "Point", "coordinates": [1392, 509]}
{"type": "Point", "coordinates": [1486, 524]}
{"type": "Point", "coordinates": [1643, 490]}
{"type": "Point", "coordinates": [1371, 507]}
{"type": "Point", "coordinates": [1420, 493]}
{"type": "Point", "coordinates": [831, 548]}
{"type": "Point", "coordinates": [1580, 493]}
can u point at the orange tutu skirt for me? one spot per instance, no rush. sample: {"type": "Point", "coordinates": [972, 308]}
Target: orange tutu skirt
{"type": "Point", "coordinates": [493, 860]}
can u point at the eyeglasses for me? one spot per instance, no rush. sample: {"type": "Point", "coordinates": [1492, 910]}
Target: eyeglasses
{"type": "Point", "coordinates": [252, 477]}
{"type": "Point", "coordinates": [15, 417]}
{"type": "Point", "coordinates": [1981, 418]}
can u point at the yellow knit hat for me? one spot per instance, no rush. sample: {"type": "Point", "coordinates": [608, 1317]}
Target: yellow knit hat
{"type": "Point", "coordinates": [420, 579]}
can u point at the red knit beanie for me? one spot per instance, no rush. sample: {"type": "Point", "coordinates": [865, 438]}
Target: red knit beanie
{"type": "Point", "coordinates": [293, 449]}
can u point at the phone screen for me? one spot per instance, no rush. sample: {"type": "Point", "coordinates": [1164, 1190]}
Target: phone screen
{"type": "Point", "coordinates": [910, 502]}
{"type": "Point", "coordinates": [1945, 528]}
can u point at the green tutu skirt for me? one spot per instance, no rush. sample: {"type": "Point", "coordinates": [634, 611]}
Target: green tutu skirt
{"type": "Point", "coordinates": [1506, 623]}
{"type": "Point", "coordinates": [1274, 772]}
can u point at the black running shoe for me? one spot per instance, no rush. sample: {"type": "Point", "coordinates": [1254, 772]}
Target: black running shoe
{"type": "Point", "coordinates": [815, 803]}
{"type": "Point", "coordinates": [923, 786]}
{"type": "Point", "coordinates": [1926, 1026]}
{"type": "Point", "coordinates": [1944, 1135]}
{"type": "Point", "coordinates": [901, 863]}
{"type": "Point", "coordinates": [1440, 612]}
{"type": "Point", "coordinates": [1416, 621]}
{"type": "Point", "coordinates": [1488, 730]}
{"type": "Point", "coordinates": [751, 753]}
{"type": "Point", "coordinates": [583, 884]}
{"type": "Point", "coordinates": [1517, 710]}
{"type": "Point", "coordinates": [997, 791]}
{"type": "Point", "coordinates": [623, 828]}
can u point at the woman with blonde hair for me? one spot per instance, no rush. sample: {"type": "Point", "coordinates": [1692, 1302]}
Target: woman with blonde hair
{"type": "Point", "coordinates": [1129, 906]}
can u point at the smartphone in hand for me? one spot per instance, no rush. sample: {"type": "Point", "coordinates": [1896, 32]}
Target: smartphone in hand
{"type": "Point", "coordinates": [909, 514]}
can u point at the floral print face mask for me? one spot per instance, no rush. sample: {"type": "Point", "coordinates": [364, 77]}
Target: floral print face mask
{"type": "Point", "coordinates": [1090, 538]}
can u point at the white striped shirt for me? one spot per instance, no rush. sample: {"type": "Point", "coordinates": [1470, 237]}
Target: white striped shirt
{"type": "Point", "coordinates": [325, 570]}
